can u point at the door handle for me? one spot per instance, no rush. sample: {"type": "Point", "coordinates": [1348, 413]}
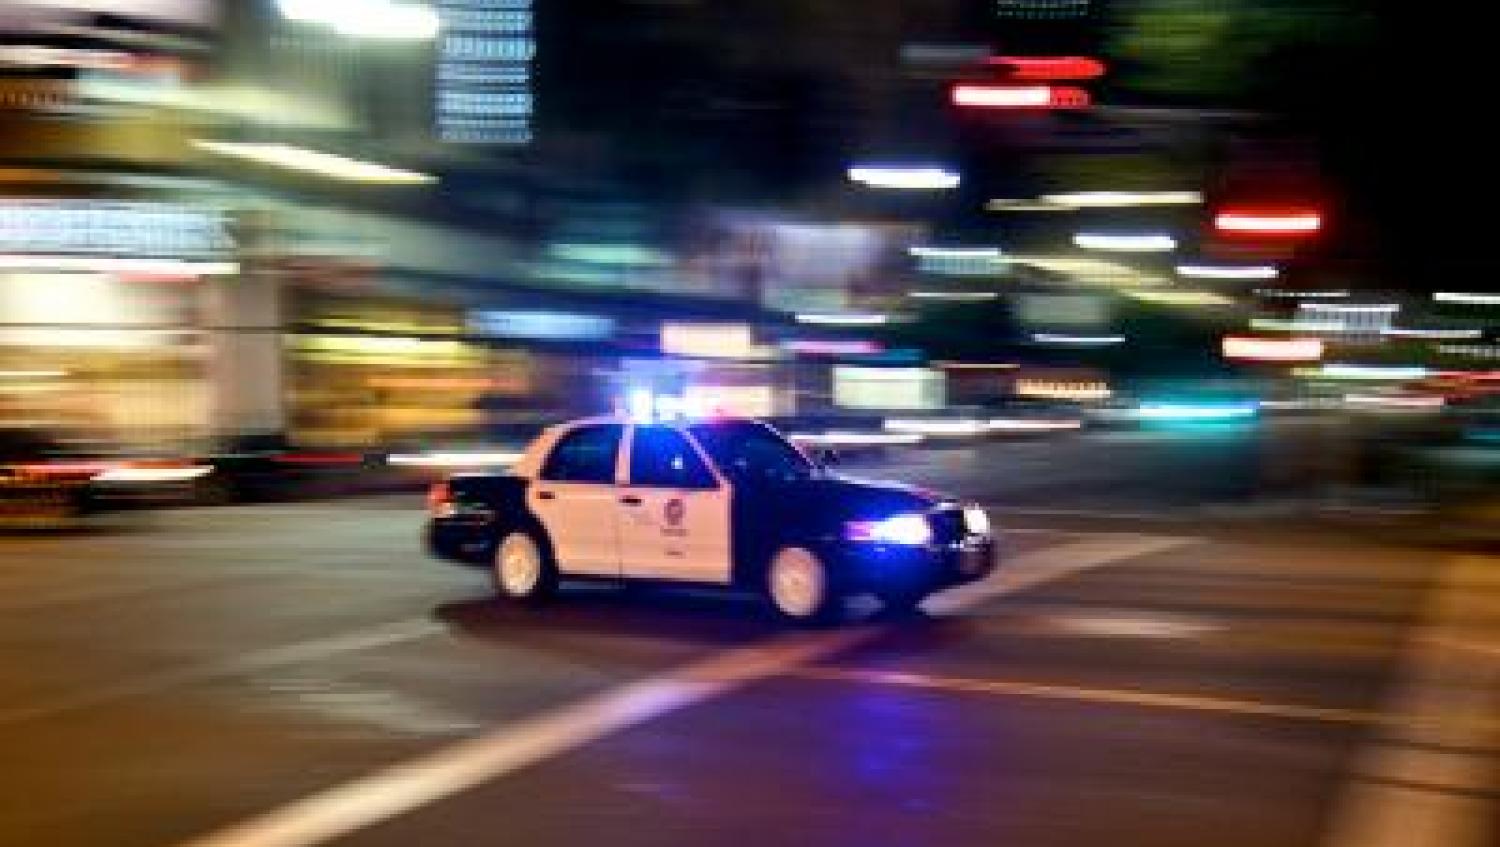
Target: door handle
{"type": "Point", "coordinates": [545, 495]}
{"type": "Point", "coordinates": [630, 500]}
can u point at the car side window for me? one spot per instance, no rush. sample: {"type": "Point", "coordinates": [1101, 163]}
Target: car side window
{"type": "Point", "coordinates": [661, 457]}
{"type": "Point", "coordinates": [586, 454]}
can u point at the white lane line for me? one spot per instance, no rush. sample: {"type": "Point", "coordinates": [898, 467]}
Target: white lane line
{"type": "Point", "coordinates": [369, 638]}
{"type": "Point", "coordinates": [1104, 696]}
{"type": "Point", "coordinates": [1100, 514]}
{"type": "Point", "coordinates": [410, 785]}
{"type": "Point", "coordinates": [1432, 784]}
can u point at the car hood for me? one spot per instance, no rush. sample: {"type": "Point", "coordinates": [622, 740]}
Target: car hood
{"type": "Point", "coordinates": [860, 498]}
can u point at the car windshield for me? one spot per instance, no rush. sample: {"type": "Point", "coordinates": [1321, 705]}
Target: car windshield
{"type": "Point", "coordinates": [752, 451]}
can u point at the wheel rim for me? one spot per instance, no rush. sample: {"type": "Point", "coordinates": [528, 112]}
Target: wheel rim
{"type": "Point", "coordinates": [518, 565]}
{"type": "Point", "coordinates": [797, 583]}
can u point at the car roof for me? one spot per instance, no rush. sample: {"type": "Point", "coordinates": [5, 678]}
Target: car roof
{"type": "Point", "coordinates": [625, 420]}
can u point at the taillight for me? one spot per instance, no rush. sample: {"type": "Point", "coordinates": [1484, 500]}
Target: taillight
{"type": "Point", "coordinates": [440, 500]}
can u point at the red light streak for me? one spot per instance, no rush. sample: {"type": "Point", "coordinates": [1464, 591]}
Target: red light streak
{"type": "Point", "coordinates": [1049, 68]}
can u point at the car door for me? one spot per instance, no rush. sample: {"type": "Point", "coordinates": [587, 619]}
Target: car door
{"type": "Point", "coordinates": [577, 500]}
{"type": "Point", "coordinates": [674, 511]}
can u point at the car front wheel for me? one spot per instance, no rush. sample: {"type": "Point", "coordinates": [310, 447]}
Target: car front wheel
{"type": "Point", "coordinates": [522, 568]}
{"type": "Point", "coordinates": [799, 586]}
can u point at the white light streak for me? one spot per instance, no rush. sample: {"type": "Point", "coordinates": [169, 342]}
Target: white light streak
{"type": "Point", "coordinates": [314, 162]}
{"type": "Point", "coordinates": [1142, 243]}
{"type": "Point", "coordinates": [114, 264]}
{"type": "Point", "coordinates": [905, 178]}
{"type": "Point", "coordinates": [1467, 298]}
{"type": "Point", "coordinates": [844, 319]}
{"type": "Point", "coordinates": [1124, 199]}
{"type": "Point", "coordinates": [1077, 340]}
{"type": "Point", "coordinates": [1255, 272]}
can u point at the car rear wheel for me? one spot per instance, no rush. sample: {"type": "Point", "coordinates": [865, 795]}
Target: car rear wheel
{"type": "Point", "coordinates": [799, 586]}
{"type": "Point", "coordinates": [522, 568]}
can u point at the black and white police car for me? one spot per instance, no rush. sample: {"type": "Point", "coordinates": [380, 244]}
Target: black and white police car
{"type": "Point", "coordinates": [726, 502]}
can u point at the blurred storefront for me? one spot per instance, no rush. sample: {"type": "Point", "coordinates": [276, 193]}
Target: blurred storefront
{"type": "Point", "coordinates": [102, 316]}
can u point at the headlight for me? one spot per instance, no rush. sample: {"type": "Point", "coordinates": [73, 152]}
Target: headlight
{"type": "Point", "coordinates": [976, 521]}
{"type": "Point", "coordinates": [911, 530]}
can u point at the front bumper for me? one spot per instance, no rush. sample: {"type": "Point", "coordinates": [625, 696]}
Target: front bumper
{"type": "Point", "coordinates": [895, 568]}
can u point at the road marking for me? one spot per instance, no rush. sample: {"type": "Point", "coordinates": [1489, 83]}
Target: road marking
{"type": "Point", "coordinates": [407, 786]}
{"type": "Point", "coordinates": [1100, 514]}
{"type": "Point", "coordinates": [1130, 697]}
{"type": "Point", "coordinates": [1433, 784]}
{"type": "Point", "coordinates": [369, 638]}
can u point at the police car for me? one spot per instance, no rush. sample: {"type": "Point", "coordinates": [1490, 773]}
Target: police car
{"type": "Point", "coordinates": [727, 503]}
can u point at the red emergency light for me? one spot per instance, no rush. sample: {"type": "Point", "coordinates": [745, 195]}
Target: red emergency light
{"type": "Point", "coordinates": [1269, 222]}
{"type": "Point", "coordinates": [1048, 68]}
{"type": "Point", "coordinates": [989, 96]}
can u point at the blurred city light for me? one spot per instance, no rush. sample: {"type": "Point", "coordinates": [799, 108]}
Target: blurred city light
{"type": "Point", "coordinates": [1180, 298]}
{"type": "Point", "coordinates": [983, 96]}
{"type": "Point", "coordinates": [838, 438]}
{"type": "Point", "coordinates": [1297, 325]}
{"type": "Point", "coordinates": [1248, 272]}
{"type": "Point", "coordinates": [1123, 199]}
{"type": "Point", "coordinates": [959, 261]}
{"type": "Point", "coordinates": [909, 178]}
{"type": "Point", "coordinates": [1467, 298]}
{"type": "Point", "coordinates": [1268, 223]}
{"type": "Point", "coordinates": [1369, 372]}
{"type": "Point", "coordinates": [1019, 205]}
{"type": "Point", "coordinates": [455, 459]}
{"type": "Point", "coordinates": [1048, 68]}
{"type": "Point", "coordinates": [956, 296]}
{"type": "Point", "coordinates": [1236, 347]}
{"type": "Point", "coordinates": [129, 474]}
{"type": "Point", "coordinates": [1432, 334]}
{"type": "Point", "coordinates": [1079, 391]}
{"type": "Point", "coordinates": [978, 366]}
{"type": "Point", "coordinates": [377, 19]}
{"type": "Point", "coordinates": [843, 319]}
{"type": "Point", "coordinates": [117, 265]}
{"type": "Point", "coordinates": [831, 347]}
{"type": "Point", "coordinates": [1296, 294]}
{"type": "Point", "coordinates": [1353, 309]}
{"type": "Point", "coordinates": [540, 324]}
{"type": "Point", "coordinates": [1406, 402]}
{"type": "Point", "coordinates": [1189, 412]}
{"type": "Point", "coordinates": [709, 341]}
{"type": "Point", "coordinates": [957, 252]}
{"type": "Point", "coordinates": [1077, 340]}
{"type": "Point", "coordinates": [300, 159]}
{"type": "Point", "coordinates": [1143, 243]}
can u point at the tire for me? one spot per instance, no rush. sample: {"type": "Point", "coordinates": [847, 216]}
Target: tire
{"type": "Point", "coordinates": [799, 587]}
{"type": "Point", "coordinates": [899, 603]}
{"type": "Point", "coordinates": [523, 569]}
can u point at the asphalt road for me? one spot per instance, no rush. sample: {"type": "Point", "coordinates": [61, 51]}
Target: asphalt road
{"type": "Point", "coordinates": [301, 674]}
